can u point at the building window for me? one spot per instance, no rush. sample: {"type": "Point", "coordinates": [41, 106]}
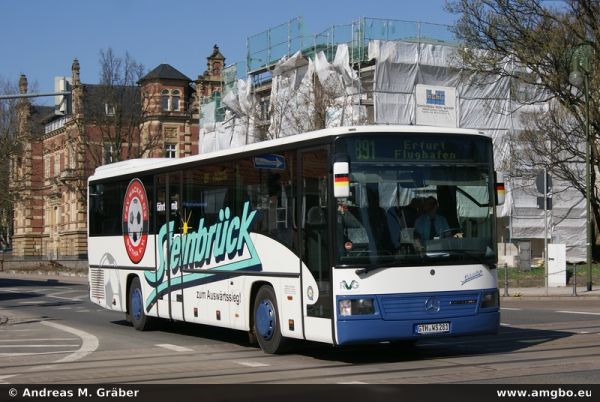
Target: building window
{"type": "Point", "coordinates": [109, 109]}
{"type": "Point", "coordinates": [170, 150]}
{"type": "Point", "coordinates": [175, 100]}
{"type": "Point", "coordinates": [108, 154]}
{"type": "Point", "coordinates": [164, 100]}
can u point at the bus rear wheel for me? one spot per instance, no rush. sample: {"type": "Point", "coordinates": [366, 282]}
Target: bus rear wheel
{"type": "Point", "coordinates": [135, 309]}
{"type": "Point", "coordinates": [266, 322]}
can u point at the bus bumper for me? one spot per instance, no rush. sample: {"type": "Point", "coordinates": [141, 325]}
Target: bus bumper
{"type": "Point", "coordinates": [380, 330]}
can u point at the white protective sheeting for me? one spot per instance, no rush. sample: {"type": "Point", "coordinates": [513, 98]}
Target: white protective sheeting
{"type": "Point", "coordinates": [238, 127]}
{"type": "Point", "coordinates": [486, 103]}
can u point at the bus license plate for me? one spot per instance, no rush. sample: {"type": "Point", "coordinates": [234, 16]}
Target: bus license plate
{"type": "Point", "coordinates": [436, 328]}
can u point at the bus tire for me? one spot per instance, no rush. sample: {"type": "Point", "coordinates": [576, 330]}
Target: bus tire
{"type": "Point", "coordinates": [266, 322]}
{"type": "Point", "coordinates": [135, 309]}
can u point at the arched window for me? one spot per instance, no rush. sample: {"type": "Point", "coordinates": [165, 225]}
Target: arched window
{"type": "Point", "coordinates": [175, 100]}
{"type": "Point", "coordinates": [216, 68]}
{"type": "Point", "coordinates": [164, 100]}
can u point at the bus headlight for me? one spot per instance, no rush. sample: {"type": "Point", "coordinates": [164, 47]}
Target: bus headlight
{"type": "Point", "coordinates": [356, 306]}
{"type": "Point", "coordinates": [490, 299]}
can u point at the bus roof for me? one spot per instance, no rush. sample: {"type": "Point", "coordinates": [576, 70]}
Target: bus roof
{"type": "Point", "coordinates": [132, 166]}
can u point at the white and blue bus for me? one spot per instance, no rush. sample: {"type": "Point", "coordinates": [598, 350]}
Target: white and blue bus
{"type": "Point", "coordinates": [345, 235]}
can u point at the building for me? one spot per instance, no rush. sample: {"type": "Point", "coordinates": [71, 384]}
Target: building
{"type": "Point", "coordinates": [384, 71]}
{"type": "Point", "coordinates": [97, 124]}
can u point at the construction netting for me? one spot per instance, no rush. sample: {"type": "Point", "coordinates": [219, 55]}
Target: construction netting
{"type": "Point", "coordinates": [329, 87]}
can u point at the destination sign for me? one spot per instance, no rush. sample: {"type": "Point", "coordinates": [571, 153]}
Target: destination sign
{"type": "Point", "coordinates": [416, 148]}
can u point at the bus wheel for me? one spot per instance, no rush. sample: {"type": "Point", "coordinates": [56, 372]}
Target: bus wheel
{"type": "Point", "coordinates": [139, 319]}
{"type": "Point", "coordinates": [266, 321]}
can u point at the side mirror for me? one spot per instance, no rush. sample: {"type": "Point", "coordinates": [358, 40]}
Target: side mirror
{"type": "Point", "coordinates": [500, 192]}
{"type": "Point", "coordinates": [341, 180]}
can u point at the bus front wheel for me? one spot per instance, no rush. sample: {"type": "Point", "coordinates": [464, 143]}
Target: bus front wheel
{"type": "Point", "coordinates": [266, 322]}
{"type": "Point", "coordinates": [135, 310]}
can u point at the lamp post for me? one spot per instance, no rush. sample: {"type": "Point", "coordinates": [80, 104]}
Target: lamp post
{"type": "Point", "coordinates": [580, 71]}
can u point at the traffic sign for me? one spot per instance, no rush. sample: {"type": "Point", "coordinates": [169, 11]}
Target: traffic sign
{"type": "Point", "coordinates": [269, 161]}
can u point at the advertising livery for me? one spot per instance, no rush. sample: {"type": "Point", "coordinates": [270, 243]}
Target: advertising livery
{"type": "Point", "coordinates": [342, 236]}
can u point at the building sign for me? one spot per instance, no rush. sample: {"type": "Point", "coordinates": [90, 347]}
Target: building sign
{"type": "Point", "coordinates": [436, 106]}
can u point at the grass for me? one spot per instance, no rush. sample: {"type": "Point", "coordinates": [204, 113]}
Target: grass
{"type": "Point", "coordinates": [535, 276]}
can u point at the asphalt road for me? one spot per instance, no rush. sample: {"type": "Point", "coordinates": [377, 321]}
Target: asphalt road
{"type": "Point", "coordinates": [55, 335]}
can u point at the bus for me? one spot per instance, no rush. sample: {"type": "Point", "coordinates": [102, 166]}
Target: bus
{"type": "Point", "coordinates": [327, 236]}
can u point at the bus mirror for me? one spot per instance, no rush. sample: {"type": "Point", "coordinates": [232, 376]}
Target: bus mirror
{"type": "Point", "coordinates": [341, 181]}
{"type": "Point", "coordinates": [499, 189]}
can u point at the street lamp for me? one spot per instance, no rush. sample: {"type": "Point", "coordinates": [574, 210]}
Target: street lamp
{"type": "Point", "coordinates": [580, 71]}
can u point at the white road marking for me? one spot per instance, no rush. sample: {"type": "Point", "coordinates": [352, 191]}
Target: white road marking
{"type": "Point", "coordinates": [503, 324]}
{"type": "Point", "coordinates": [4, 377]}
{"type": "Point", "coordinates": [82, 311]}
{"type": "Point", "coordinates": [58, 352]}
{"type": "Point", "coordinates": [174, 347]}
{"type": "Point", "coordinates": [89, 343]}
{"type": "Point", "coordinates": [577, 312]}
{"type": "Point", "coordinates": [353, 382]}
{"type": "Point", "coordinates": [583, 332]}
{"type": "Point", "coordinates": [511, 308]}
{"type": "Point", "coordinates": [38, 346]}
{"type": "Point", "coordinates": [39, 339]}
{"type": "Point", "coordinates": [253, 364]}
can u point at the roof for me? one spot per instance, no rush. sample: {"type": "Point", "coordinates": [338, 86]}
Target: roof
{"type": "Point", "coordinates": [140, 165]}
{"type": "Point", "coordinates": [165, 72]}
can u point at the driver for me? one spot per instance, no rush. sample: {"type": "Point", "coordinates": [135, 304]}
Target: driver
{"type": "Point", "coordinates": [430, 225]}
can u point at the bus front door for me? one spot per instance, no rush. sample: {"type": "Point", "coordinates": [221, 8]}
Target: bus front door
{"type": "Point", "coordinates": [315, 244]}
{"type": "Point", "coordinates": [168, 193]}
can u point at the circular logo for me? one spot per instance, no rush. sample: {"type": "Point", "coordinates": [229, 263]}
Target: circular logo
{"type": "Point", "coordinates": [432, 305]}
{"type": "Point", "coordinates": [135, 220]}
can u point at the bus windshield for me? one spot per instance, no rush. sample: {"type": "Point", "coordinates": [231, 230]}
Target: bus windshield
{"type": "Point", "coordinates": [415, 200]}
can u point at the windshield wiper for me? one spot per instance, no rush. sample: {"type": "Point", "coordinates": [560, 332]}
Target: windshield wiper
{"type": "Point", "coordinates": [448, 253]}
{"type": "Point", "coordinates": [366, 269]}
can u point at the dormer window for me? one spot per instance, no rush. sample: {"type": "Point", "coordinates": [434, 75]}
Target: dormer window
{"type": "Point", "coordinates": [170, 100]}
{"type": "Point", "coordinates": [175, 100]}
{"type": "Point", "coordinates": [164, 100]}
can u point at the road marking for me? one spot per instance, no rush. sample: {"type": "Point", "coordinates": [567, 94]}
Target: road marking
{"type": "Point", "coordinates": [503, 324]}
{"type": "Point", "coordinates": [4, 377]}
{"type": "Point", "coordinates": [583, 332]}
{"type": "Point", "coordinates": [58, 352]}
{"type": "Point", "coordinates": [32, 302]}
{"type": "Point", "coordinates": [82, 311]}
{"type": "Point", "coordinates": [253, 364]}
{"type": "Point", "coordinates": [39, 339]}
{"type": "Point", "coordinates": [64, 308]}
{"type": "Point", "coordinates": [89, 343]}
{"type": "Point", "coordinates": [38, 346]}
{"type": "Point", "coordinates": [353, 382]}
{"type": "Point", "coordinates": [577, 312]}
{"type": "Point", "coordinates": [511, 308]}
{"type": "Point", "coordinates": [174, 347]}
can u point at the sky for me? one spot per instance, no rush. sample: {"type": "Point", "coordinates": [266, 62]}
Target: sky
{"type": "Point", "coordinates": [40, 38]}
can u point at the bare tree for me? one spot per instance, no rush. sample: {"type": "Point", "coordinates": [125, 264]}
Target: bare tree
{"type": "Point", "coordinates": [112, 127]}
{"type": "Point", "coordinates": [533, 43]}
{"type": "Point", "coordinates": [8, 146]}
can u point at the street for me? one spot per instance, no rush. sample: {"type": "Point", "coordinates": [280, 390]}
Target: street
{"type": "Point", "coordinates": [51, 333]}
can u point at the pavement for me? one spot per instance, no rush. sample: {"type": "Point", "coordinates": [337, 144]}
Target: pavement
{"type": "Point", "coordinates": [514, 293]}
{"type": "Point", "coordinates": [542, 293]}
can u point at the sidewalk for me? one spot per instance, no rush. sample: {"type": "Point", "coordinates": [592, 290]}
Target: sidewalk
{"type": "Point", "coordinates": [563, 292]}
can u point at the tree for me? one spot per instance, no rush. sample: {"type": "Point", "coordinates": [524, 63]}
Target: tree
{"type": "Point", "coordinates": [533, 43]}
{"type": "Point", "coordinates": [112, 127]}
{"type": "Point", "coordinates": [8, 146]}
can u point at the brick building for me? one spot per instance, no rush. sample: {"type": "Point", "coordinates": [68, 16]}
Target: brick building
{"type": "Point", "coordinates": [59, 149]}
